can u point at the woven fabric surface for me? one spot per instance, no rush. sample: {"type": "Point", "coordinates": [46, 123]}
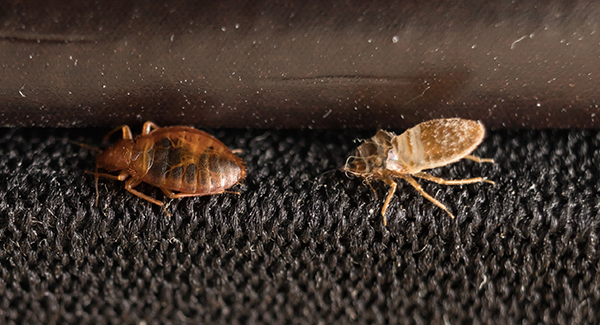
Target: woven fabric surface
{"type": "Point", "coordinates": [302, 243]}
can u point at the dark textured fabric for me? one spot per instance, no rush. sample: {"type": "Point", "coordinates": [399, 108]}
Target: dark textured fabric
{"type": "Point", "coordinates": [303, 243]}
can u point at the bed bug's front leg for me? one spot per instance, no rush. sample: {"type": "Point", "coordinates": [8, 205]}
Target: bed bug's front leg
{"type": "Point", "coordinates": [389, 181]}
{"type": "Point", "coordinates": [371, 186]}
{"type": "Point", "coordinates": [149, 127]}
{"type": "Point", "coordinates": [126, 132]}
{"type": "Point", "coordinates": [418, 187]}
{"type": "Point", "coordinates": [121, 177]}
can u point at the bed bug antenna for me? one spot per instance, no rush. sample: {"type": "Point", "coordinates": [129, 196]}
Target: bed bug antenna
{"type": "Point", "coordinates": [91, 148]}
{"type": "Point", "coordinates": [83, 145]}
{"type": "Point", "coordinates": [346, 169]}
{"type": "Point", "coordinates": [327, 172]}
{"type": "Point", "coordinates": [96, 177]}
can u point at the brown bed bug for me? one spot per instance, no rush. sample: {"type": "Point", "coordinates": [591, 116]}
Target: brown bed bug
{"type": "Point", "coordinates": [178, 158]}
{"type": "Point", "coordinates": [428, 145]}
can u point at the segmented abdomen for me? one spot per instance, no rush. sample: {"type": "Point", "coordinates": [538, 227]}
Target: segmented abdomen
{"type": "Point", "coordinates": [191, 162]}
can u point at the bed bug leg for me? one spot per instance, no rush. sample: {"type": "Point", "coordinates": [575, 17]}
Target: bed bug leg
{"type": "Point", "coordinates": [393, 186]}
{"type": "Point", "coordinates": [237, 151]}
{"type": "Point", "coordinates": [172, 195]}
{"type": "Point", "coordinates": [126, 132]}
{"type": "Point", "coordinates": [480, 160]}
{"type": "Point", "coordinates": [121, 177]}
{"type": "Point", "coordinates": [418, 187]}
{"type": "Point", "coordinates": [149, 127]}
{"type": "Point", "coordinates": [453, 181]}
{"type": "Point", "coordinates": [129, 186]}
{"type": "Point", "coordinates": [374, 192]}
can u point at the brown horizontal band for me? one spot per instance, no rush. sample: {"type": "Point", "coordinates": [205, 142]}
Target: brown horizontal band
{"type": "Point", "coordinates": [299, 64]}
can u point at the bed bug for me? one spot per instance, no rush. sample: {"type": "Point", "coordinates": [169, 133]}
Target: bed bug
{"type": "Point", "coordinates": [178, 158]}
{"type": "Point", "coordinates": [428, 145]}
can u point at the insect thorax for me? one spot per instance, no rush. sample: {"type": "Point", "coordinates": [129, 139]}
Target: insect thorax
{"type": "Point", "coordinates": [370, 157]}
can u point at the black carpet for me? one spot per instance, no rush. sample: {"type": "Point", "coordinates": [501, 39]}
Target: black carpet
{"type": "Point", "coordinates": [303, 243]}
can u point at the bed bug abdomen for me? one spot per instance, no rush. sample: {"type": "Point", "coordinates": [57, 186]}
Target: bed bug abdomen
{"type": "Point", "coordinates": [434, 144]}
{"type": "Point", "coordinates": [215, 171]}
{"type": "Point", "coordinates": [192, 161]}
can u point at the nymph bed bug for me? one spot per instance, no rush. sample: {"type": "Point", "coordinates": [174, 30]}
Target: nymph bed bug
{"type": "Point", "coordinates": [428, 145]}
{"type": "Point", "coordinates": [178, 158]}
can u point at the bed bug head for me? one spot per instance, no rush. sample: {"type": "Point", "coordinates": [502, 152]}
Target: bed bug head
{"type": "Point", "coordinates": [370, 157]}
{"type": "Point", "coordinates": [117, 157]}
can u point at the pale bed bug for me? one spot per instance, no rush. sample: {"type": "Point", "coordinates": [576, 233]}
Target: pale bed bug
{"type": "Point", "coordinates": [178, 158]}
{"type": "Point", "coordinates": [428, 145]}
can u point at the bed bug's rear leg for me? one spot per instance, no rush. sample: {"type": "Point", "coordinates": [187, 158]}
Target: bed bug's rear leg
{"type": "Point", "coordinates": [480, 160]}
{"type": "Point", "coordinates": [172, 195]}
{"type": "Point", "coordinates": [168, 193]}
{"type": "Point", "coordinates": [149, 127]}
{"type": "Point", "coordinates": [133, 182]}
{"type": "Point", "coordinates": [453, 181]}
{"type": "Point", "coordinates": [418, 187]}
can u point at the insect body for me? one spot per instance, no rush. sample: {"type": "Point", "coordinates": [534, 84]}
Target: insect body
{"type": "Point", "coordinates": [179, 158]}
{"type": "Point", "coordinates": [428, 145]}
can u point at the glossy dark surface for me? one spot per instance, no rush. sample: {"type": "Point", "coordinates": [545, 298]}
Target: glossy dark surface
{"type": "Point", "coordinates": [315, 64]}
